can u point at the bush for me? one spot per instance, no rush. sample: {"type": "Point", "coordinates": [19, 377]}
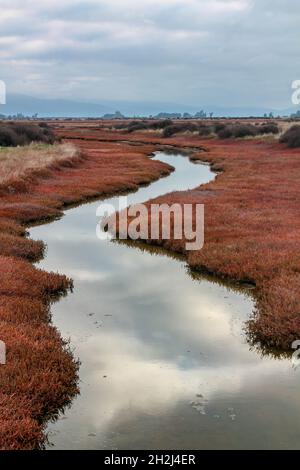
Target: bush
{"type": "Point", "coordinates": [44, 125]}
{"type": "Point", "coordinates": [49, 137]}
{"type": "Point", "coordinates": [171, 130]}
{"type": "Point", "coordinates": [292, 137]}
{"type": "Point", "coordinates": [268, 128]}
{"type": "Point", "coordinates": [161, 124]}
{"type": "Point", "coordinates": [8, 138]}
{"type": "Point", "coordinates": [146, 125]}
{"type": "Point", "coordinates": [14, 134]}
{"type": "Point", "coordinates": [117, 126]}
{"type": "Point", "coordinates": [237, 131]}
{"type": "Point", "coordinates": [137, 126]}
{"type": "Point", "coordinates": [225, 133]}
{"type": "Point", "coordinates": [176, 128]}
{"type": "Point", "coordinates": [219, 126]}
{"type": "Point", "coordinates": [243, 130]}
{"type": "Point", "coordinates": [205, 130]}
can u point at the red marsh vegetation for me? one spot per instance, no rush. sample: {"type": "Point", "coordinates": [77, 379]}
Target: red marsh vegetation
{"type": "Point", "coordinates": [36, 182]}
{"type": "Point", "coordinates": [251, 233]}
{"type": "Point", "coordinates": [252, 217]}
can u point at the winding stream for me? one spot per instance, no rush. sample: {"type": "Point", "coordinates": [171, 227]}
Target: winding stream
{"type": "Point", "coordinates": [164, 360]}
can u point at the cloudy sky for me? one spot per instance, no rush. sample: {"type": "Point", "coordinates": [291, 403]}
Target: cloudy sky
{"type": "Point", "coordinates": [220, 52]}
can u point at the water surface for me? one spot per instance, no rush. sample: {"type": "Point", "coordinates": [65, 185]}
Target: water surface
{"type": "Point", "coordinates": [165, 361]}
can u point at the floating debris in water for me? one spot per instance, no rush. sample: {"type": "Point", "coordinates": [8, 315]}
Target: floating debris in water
{"type": "Point", "coordinates": [231, 414]}
{"type": "Point", "coordinates": [200, 407]}
{"type": "Point", "coordinates": [53, 432]}
{"type": "Point", "coordinates": [199, 404]}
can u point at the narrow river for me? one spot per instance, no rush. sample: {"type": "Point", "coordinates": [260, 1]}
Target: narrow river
{"type": "Point", "coordinates": [164, 360]}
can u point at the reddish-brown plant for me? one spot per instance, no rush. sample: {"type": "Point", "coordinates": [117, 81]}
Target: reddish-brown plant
{"type": "Point", "coordinates": [40, 375]}
{"type": "Point", "coordinates": [252, 229]}
{"type": "Point", "coordinates": [252, 233]}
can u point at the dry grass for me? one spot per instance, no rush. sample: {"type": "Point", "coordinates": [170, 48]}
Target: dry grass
{"type": "Point", "coordinates": [19, 164]}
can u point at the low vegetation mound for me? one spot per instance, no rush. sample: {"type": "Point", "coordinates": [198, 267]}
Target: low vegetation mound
{"type": "Point", "coordinates": [17, 134]}
{"type": "Point", "coordinates": [205, 130]}
{"type": "Point", "coordinates": [239, 130]}
{"type": "Point", "coordinates": [268, 128]}
{"type": "Point", "coordinates": [224, 130]}
{"type": "Point", "coordinates": [179, 128]}
{"type": "Point", "coordinates": [292, 137]}
{"type": "Point", "coordinates": [139, 125]}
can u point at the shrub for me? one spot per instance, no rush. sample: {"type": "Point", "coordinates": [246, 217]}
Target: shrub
{"type": "Point", "coordinates": [268, 128]}
{"type": "Point", "coordinates": [292, 137]}
{"type": "Point", "coordinates": [146, 125]}
{"type": "Point", "coordinates": [118, 126]}
{"type": "Point", "coordinates": [170, 130]}
{"type": "Point", "coordinates": [138, 126]}
{"type": "Point", "coordinates": [219, 126]}
{"type": "Point", "coordinates": [205, 130]}
{"type": "Point", "coordinates": [49, 137]}
{"type": "Point", "coordinates": [243, 130]}
{"type": "Point", "coordinates": [225, 133]}
{"type": "Point", "coordinates": [14, 134]}
{"type": "Point", "coordinates": [162, 124]}
{"type": "Point", "coordinates": [176, 128]}
{"type": "Point", "coordinates": [189, 127]}
{"type": "Point", "coordinates": [8, 138]}
{"type": "Point", "coordinates": [237, 131]}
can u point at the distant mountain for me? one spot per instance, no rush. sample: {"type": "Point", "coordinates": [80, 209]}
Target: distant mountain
{"type": "Point", "coordinates": [116, 115]}
{"type": "Point", "coordinates": [29, 106]}
{"type": "Point", "coordinates": [66, 108]}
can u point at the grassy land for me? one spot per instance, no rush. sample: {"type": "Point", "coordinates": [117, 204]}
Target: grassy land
{"type": "Point", "coordinates": [20, 164]}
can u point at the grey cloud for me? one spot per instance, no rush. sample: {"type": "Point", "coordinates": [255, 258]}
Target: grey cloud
{"type": "Point", "coordinates": [211, 51]}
